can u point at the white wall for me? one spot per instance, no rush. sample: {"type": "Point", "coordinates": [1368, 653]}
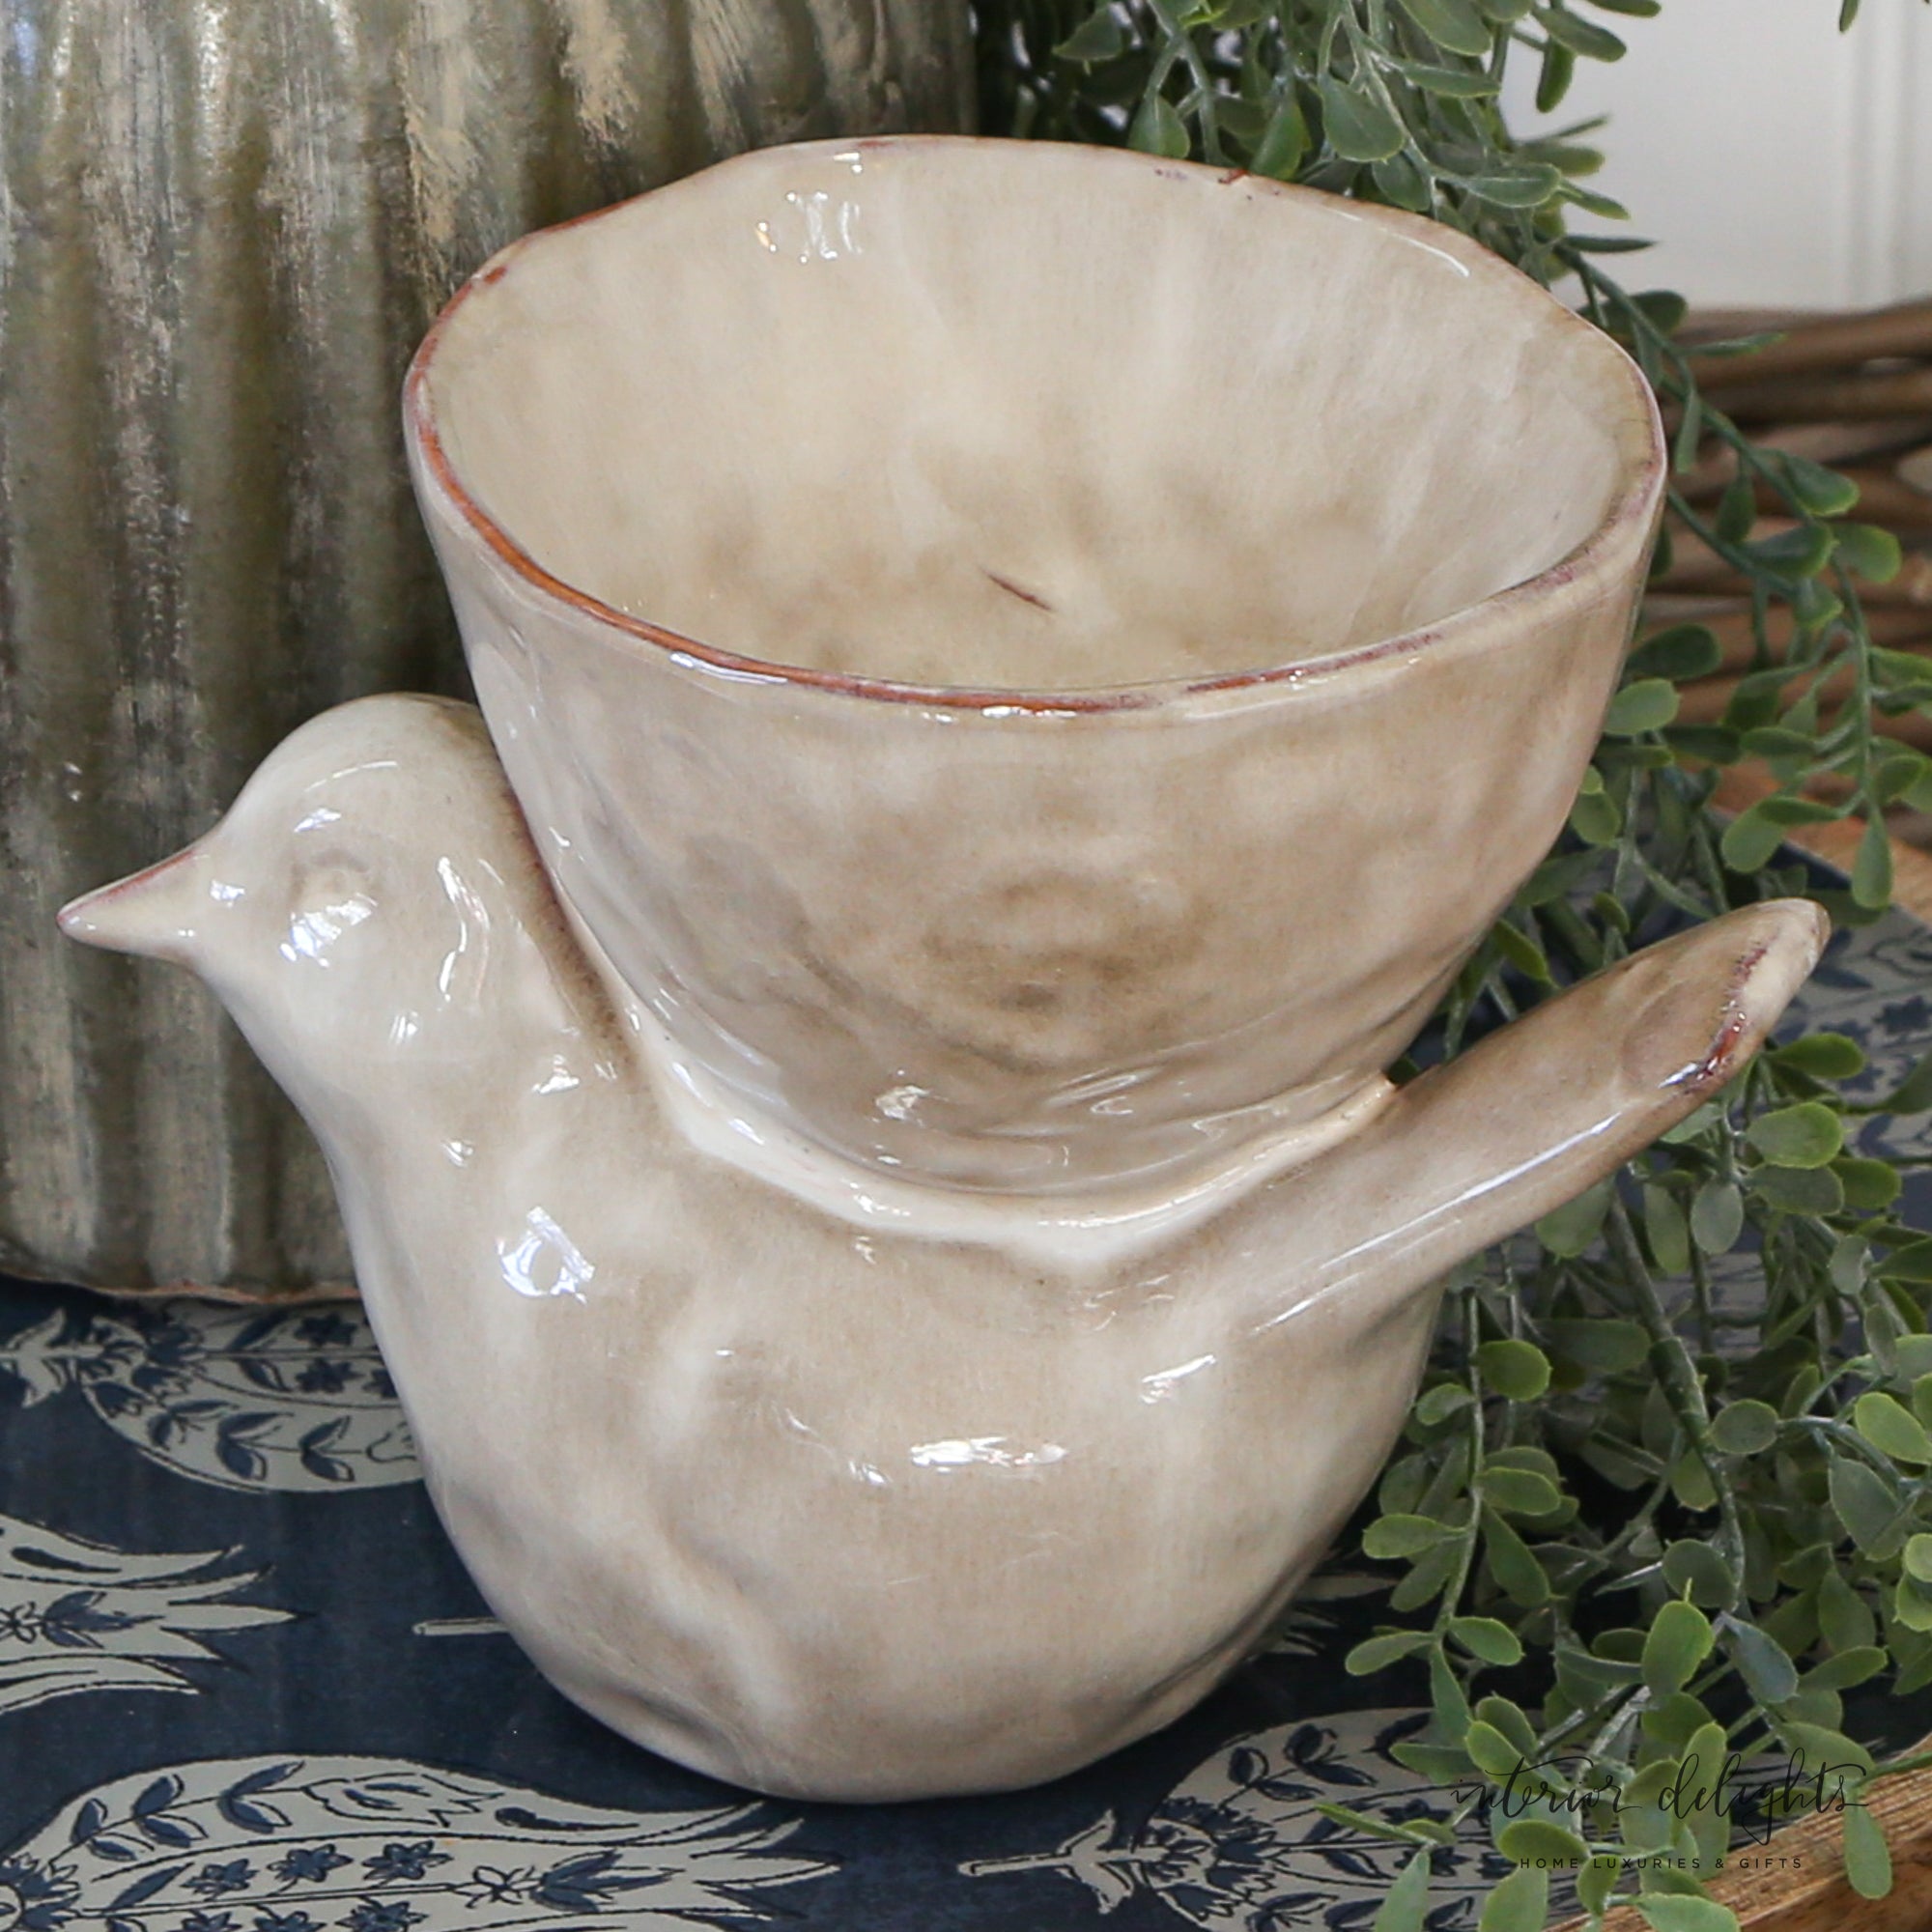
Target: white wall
{"type": "Point", "coordinates": [1775, 162]}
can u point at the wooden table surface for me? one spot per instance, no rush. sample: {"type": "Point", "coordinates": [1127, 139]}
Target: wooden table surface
{"type": "Point", "coordinates": [1810, 1893]}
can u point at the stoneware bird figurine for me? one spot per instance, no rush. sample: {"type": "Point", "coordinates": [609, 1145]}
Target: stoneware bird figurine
{"type": "Point", "coordinates": [857, 1098]}
{"type": "Point", "coordinates": [824, 1510]}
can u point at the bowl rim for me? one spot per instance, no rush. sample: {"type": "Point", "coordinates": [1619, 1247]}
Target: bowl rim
{"type": "Point", "coordinates": [1632, 513]}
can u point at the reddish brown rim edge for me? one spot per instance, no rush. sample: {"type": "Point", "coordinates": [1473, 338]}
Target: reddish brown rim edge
{"type": "Point", "coordinates": [1634, 505]}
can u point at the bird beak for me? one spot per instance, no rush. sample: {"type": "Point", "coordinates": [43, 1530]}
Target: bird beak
{"type": "Point", "coordinates": [154, 913]}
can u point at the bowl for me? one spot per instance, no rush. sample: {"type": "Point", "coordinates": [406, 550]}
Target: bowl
{"type": "Point", "coordinates": [1036, 664]}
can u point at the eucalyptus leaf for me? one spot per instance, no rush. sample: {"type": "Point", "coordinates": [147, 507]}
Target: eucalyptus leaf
{"type": "Point", "coordinates": [1809, 1134]}
{"type": "Point", "coordinates": [1867, 1858]}
{"type": "Point", "coordinates": [1456, 82]}
{"type": "Point", "coordinates": [1825, 1056]}
{"type": "Point", "coordinates": [1579, 36]}
{"type": "Point", "coordinates": [1795, 1190]}
{"type": "Point", "coordinates": [1737, 510]}
{"type": "Point", "coordinates": [1097, 38]}
{"type": "Point", "coordinates": [1869, 1184]}
{"type": "Point", "coordinates": [1428, 1578]}
{"type": "Point", "coordinates": [1666, 1230]}
{"type": "Point", "coordinates": [1449, 1702]}
{"type": "Point", "coordinates": [1286, 141]}
{"type": "Point", "coordinates": [1865, 1506]}
{"type": "Point", "coordinates": [1596, 820]}
{"type": "Point", "coordinates": [1589, 1679]}
{"type": "Point", "coordinates": [1390, 1538]}
{"type": "Point", "coordinates": [1602, 205]}
{"type": "Point", "coordinates": [1673, 1719]}
{"type": "Point", "coordinates": [1914, 1093]}
{"type": "Point", "coordinates": [1843, 1615]}
{"type": "Point", "coordinates": [1713, 744]}
{"type": "Point", "coordinates": [1527, 1839]}
{"type": "Point", "coordinates": [1871, 870]}
{"type": "Point", "coordinates": [1518, 1575]}
{"type": "Point", "coordinates": [1699, 1570]}
{"type": "Point", "coordinates": [1912, 1605]}
{"type": "Point", "coordinates": [1800, 552]}
{"type": "Point", "coordinates": [1452, 24]}
{"type": "Point", "coordinates": [1744, 1428]}
{"type": "Point", "coordinates": [1866, 551]}
{"type": "Point", "coordinates": [1768, 1672]}
{"type": "Point", "coordinates": [1403, 185]}
{"type": "Point", "coordinates": [1494, 1642]}
{"type": "Point", "coordinates": [1607, 1344]}
{"type": "Point", "coordinates": [1514, 187]}
{"type": "Point", "coordinates": [1647, 705]}
{"type": "Point", "coordinates": [1596, 1881]}
{"type": "Point", "coordinates": [1157, 129]}
{"type": "Point", "coordinates": [1680, 1639]}
{"type": "Point", "coordinates": [1847, 1670]}
{"type": "Point", "coordinates": [1664, 309]}
{"type": "Point", "coordinates": [1610, 244]}
{"type": "Point", "coordinates": [1684, 1911]}
{"type": "Point", "coordinates": [1750, 841]}
{"type": "Point", "coordinates": [1519, 1492]}
{"type": "Point", "coordinates": [1558, 70]}
{"type": "Point", "coordinates": [1372, 1827]}
{"type": "Point", "coordinates": [1440, 1764]}
{"type": "Point", "coordinates": [1691, 1482]}
{"type": "Point", "coordinates": [1828, 1753]}
{"type": "Point", "coordinates": [1407, 1899]}
{"type": "Point", "coordinates": [1378, 1653]}
{"type": "Point", "coordinates": [1901, 672]}
{"type": "Point", "coordinates": [1520, 1903]}
{"type": "Point", "coordinates": [1521, 951]}
{"type": "Point", "coordinates": [1678, 652]}
{"type": "Point", "coordinates": [1886, 1424]}
{"type": "Point", "coordinates": [1492, 1753]}
{"type": "Point", "coordinates": [1716, 1217]}
{"type": "Point", "coordinates": [1438, 1404]}
{"type": "Point", "coordinates": [1912, 1261]}
{"type": "Point", "coordinates": [1357, 125]}
{"type": "Point", "coordinates": [1519, 1369]}
{"type": "Point", "coordinates": [1823, 491]}
{"type": "Point", "coordinates": [1572, 1228]}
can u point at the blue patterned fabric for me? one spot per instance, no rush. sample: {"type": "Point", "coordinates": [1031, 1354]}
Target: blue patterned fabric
{"type": "Point", "coordinates": [247, 1687]}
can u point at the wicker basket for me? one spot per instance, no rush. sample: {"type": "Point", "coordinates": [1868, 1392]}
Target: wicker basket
{"type": "Point", "coordinates": [1853, 390]}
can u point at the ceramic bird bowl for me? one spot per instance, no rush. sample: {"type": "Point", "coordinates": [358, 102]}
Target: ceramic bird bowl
{"type": "Point", "coordinates": [1015, 676]}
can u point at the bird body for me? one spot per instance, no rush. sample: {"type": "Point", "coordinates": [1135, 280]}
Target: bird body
{"type": "Point", "coordinates": [829, 1505]}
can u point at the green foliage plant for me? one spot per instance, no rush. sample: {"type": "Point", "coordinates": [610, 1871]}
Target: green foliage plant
{"type": "Point", "coordinates": [1634, 1521]}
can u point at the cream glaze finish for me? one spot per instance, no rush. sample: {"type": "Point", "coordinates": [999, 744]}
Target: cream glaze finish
{"type": "Point", "coordinates": [1073, 1264]}
{"type": "Point", "coordinates": [829, 1513]}
{"type": "Point", "coordinates": [965, 411]}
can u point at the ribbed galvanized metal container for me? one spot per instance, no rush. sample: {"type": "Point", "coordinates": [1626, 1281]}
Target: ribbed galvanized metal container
{"type": "Point", "coordinates": [222, 230]}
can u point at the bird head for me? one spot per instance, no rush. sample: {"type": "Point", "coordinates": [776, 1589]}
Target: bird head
{"type": "Point", "coordinates": [366, 902]}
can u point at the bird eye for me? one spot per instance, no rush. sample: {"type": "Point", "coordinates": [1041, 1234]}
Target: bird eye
{"type": "Point", "coordinates": [333, 893]}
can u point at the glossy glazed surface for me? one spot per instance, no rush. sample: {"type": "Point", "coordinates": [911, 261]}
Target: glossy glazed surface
{"type": "Point", "coordinates": [982, 414]}
{"type": "Point", "coordinates": [824, 1510]}
{"type": "Point", "coordinates": [967, 419]}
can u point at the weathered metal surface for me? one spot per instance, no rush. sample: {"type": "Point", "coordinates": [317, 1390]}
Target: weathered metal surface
{"type": "Point", "coordinates": [222, 229]}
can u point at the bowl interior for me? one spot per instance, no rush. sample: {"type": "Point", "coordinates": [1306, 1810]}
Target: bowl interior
{"type": "Point", "coordinates": [1011, 416]}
